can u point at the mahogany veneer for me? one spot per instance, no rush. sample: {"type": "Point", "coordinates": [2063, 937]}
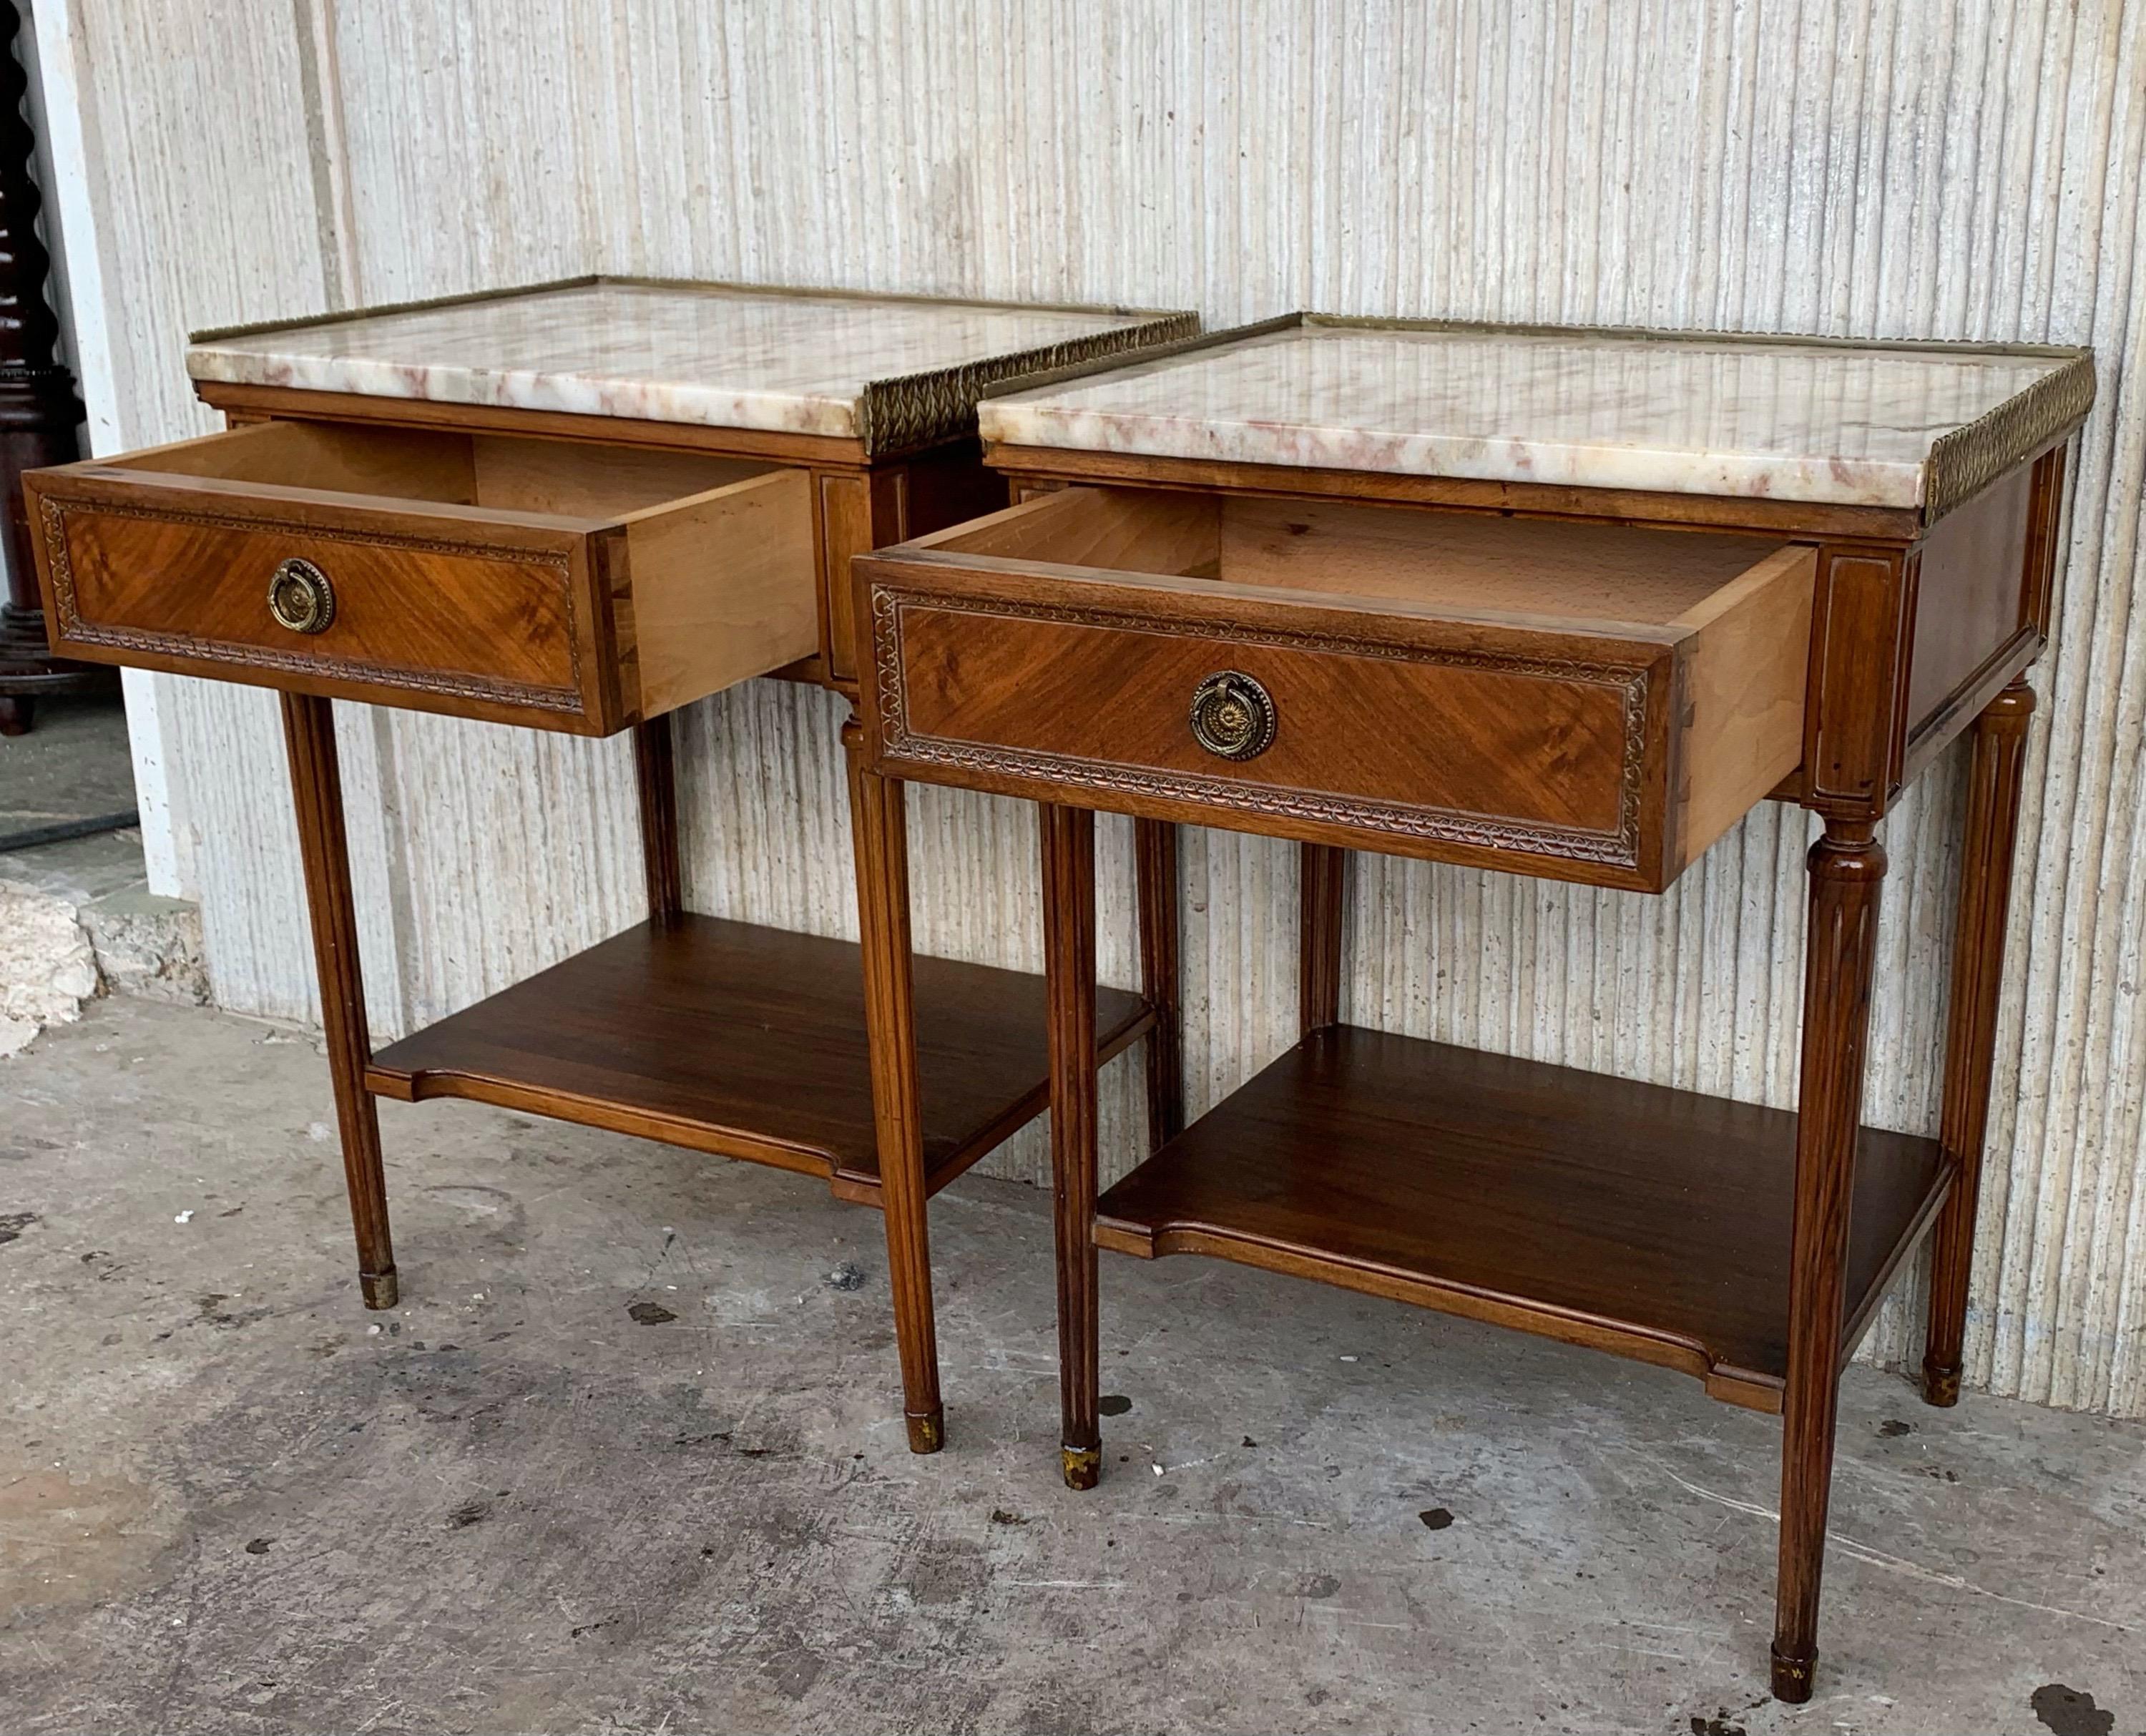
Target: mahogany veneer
{"type": "Point", "coordinates": [1598, 703]}
{"type": "Point", "coordinates": [687, 522]}
{"type": "Point", "coordinates": [747, 1042]}
{"type": "Point", "coordinates": [1201, 610]}
{"type": "Point", "coordinates": [1587, 1208]}
{"type": "Point", "coordinates": [522, 581]}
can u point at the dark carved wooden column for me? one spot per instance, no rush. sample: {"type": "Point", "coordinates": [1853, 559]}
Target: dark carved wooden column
{"type": "Point", "coordinates": [1320, 939]}
{"type": "Point", "coordinates": [39, 408]}
{"type": "Point", "coordinates": [1987, 845]}
{"type": "Point", "coordinates": [1847, 870]}
{"type": "Point", "coordinates": [1069, 972]}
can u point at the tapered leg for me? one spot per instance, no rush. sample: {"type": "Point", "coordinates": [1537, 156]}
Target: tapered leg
{"type": "Point", "coordinates": [317, 791]}
{"type": "Point", "coordinates": [657, 779]}
{"type": "Point", "coordinates": [879, 814]}
{"type": "Point", "coordinates": [17, 714]}
{"type": "Point", "coordinates": [1069, 967]}
{"type": "Point", "coordinates": [1847, 868]}
{"type": "Point", "coordinates": [1978, 971]}
{"type": "Point", "coordinates": [1155, 859]}
{"type": "Point", "coordinates": [1323, 875]}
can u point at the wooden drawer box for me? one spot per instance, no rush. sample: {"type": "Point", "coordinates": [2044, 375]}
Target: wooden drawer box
{"type": "Point", "coordinates": [1593, 702]}
{"type": "Point", "coordinates": [561, 585]}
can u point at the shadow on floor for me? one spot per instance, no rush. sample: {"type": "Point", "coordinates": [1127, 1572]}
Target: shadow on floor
{"type": "Point", "coordinates": [630, 1457]}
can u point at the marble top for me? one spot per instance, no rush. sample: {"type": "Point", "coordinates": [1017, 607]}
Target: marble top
{"type": "Point", "coordinates": [720, 356]}
{"type": "Point", "coordinates": [1807, 423]}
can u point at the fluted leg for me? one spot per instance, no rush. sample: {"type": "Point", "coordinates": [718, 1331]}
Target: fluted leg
{"type": "Point", "coordinates": [324, 850]}
{"type": "Point", "coordinates": [1155, 856]}
{"type": "Point", "coordinates": [1978, 973]}
{"type": "Point", "coordinates": [880, 819]}
{"type": "Point", "coordinates": [657, 779]}
{"type": "Point", "coordinates": [1068, 965]}
{"type": "Point", "coordinates": [1323, 878]}
{"type": "Point", "coordinates": [1847, 869]}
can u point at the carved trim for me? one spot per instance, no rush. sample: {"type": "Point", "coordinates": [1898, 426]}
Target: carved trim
{"type": "Point", "coordinates": [446, 683]}
{"type": "Point", "coordinates": [916, 411]}
{"type": "Point", "coordinates": [1631, 682]}
{"type": "Point", "coordinates": [1966, 461]}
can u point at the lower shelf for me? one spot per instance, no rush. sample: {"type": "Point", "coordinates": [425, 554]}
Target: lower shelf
{"type": "Point", "coordinates": [748, 1042]}
{"type": "Point", "coordinates": [1649, 1221]}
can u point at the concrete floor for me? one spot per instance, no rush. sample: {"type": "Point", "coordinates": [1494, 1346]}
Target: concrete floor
{"type": "Point", "coordinates": [74, 765]}
{"type": "Point", "coordinates": [629, 1458]}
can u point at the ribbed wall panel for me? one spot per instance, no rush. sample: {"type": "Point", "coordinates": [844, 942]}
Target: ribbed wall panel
{"type": "Point", "coordinates": [1914, 168]}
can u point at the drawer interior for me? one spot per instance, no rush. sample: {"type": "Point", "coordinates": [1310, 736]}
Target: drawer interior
{"type": "Point", "coordinates": [507, 473]}
{"type": "Point", "coordinates": [1443, 562]}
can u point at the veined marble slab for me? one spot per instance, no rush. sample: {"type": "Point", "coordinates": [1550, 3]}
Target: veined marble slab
{"type": "Point", "coordinates": [1819, 423]}
{"type": "Point", "coordinates": [772, 360]}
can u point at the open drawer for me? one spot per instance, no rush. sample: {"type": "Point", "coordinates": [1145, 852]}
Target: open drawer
{"type": "Point", "coordinates": [559, 584]}
{"type": "Point", "coordinates": [1591, 702]}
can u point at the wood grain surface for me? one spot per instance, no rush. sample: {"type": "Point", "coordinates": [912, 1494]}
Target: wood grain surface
{"type": "Point", "coordinates": [512, 579]}
{"type": "Point", "coordinates": [1592, 701]}
{"type": "Point", "coordinates": [1645, 1221]}
{"type": "Point", "coordinates": [748, 1042]}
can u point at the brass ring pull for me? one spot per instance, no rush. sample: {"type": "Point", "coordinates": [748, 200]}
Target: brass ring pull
{"type": "Point", "coordinates": [301, 598]}
{"type": "Point", "coordinates": [1233, 716]}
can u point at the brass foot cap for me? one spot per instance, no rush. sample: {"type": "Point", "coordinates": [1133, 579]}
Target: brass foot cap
{"type": "Point", "coordinates": [1940, 1387]}
{"type": "Point", "coordinates": [927, 1432]}
{"type": "Point", "coordinates": [1793, 1678]}
{"type": "Point", "coordinates": [1082, 1467]}
{"type": "Point", "coordinates": [379, 1289]}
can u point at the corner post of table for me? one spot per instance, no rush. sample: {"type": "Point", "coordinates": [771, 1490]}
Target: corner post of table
{"type": "Point", "coordinates": [1987, 845]}
{"type": "Point", "coordinates": [655, 777]}
{"type": "Point", "coordinates": [324, 853]}
{"type": "Point", "coordinates": [1155, 886]}
{"type": "Point", "coordinates": [1323, 882]}
{"type": "Point", "coordinates": [1847, 869]}
{"type": "Point", "coordinates": [1069, 969]}
{"type": "Point", "coordinates": [880, 816]}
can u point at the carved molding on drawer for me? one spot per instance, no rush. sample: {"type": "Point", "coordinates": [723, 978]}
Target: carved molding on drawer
{"type": "Point", "coordinates": [1629, 682]}
{"type": "Point", "coordinates": [315, 660]}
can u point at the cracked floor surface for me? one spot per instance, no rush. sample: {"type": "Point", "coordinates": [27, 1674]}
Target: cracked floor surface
{"type": "Point", "coordinates": [630, 1457]}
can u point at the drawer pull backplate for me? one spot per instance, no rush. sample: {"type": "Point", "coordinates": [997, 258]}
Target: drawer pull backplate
{"type": "Point", "coordinates": [1233, 716]}
{"type": "Point", "coordinates": [301, 598]}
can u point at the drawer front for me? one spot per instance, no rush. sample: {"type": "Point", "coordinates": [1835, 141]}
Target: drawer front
{"type": "Point", "coordinates": [415, 614]}
{"type": "Point", "coordinates": [1477, 742]}
{"type": "Point", "coordinates": [563, 585]}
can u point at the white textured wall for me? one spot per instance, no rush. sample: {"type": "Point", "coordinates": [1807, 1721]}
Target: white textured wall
{"type": "Point", "coordinates": [1934, 170]}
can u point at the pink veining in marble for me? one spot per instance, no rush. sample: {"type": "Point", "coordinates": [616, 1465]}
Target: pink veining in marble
{"type": "Point", "coordinates": [1821, 423]}
{"type": "Point", "coordinates": [722, 357]}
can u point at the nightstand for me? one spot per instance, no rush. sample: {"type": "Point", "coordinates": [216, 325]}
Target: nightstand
{"type": "Point", "coordinates": [1562, 603]}
{"type": "Point", "coordinates": [578, 507]}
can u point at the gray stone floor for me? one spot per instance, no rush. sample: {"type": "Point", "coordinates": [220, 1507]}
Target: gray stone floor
{"type": "Point", "coordinates": [74, 765]}
{"type": "Point", "coordinates": [628, 1458]}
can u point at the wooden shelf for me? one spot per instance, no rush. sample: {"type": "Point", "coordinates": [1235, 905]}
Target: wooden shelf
{"type": "Point", "coordinates": [748, 1042]}
{"type": "Point", "coordinates": [1648, 1221]}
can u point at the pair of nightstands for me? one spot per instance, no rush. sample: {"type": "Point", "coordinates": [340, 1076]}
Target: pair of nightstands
{"type": "Point", "coordinates": [1568, 604]}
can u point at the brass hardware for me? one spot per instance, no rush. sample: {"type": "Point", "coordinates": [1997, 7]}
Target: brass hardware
{"type": "Point", "coordinates": [301, 598]}
{"type": "Point", "coordinates": [1081, 1467]}
{"type": "Point", "coordinates": [1233, 716]}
